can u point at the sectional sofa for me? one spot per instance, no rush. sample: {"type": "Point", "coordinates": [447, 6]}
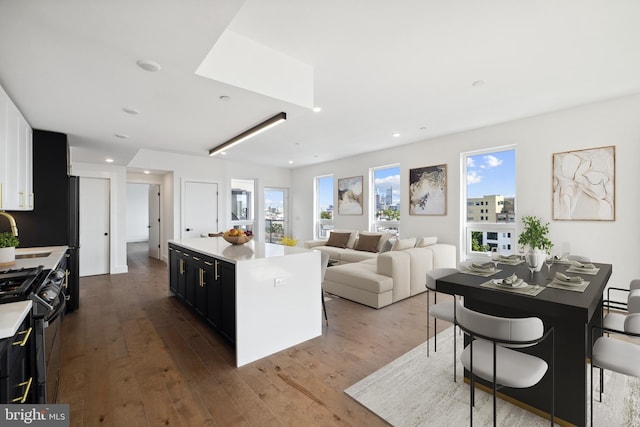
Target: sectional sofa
{"type": "Point", "coordinates": [386, 277]}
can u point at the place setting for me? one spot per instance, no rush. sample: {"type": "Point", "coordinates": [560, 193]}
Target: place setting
{"type": "Point", "coordinates": [583, 268]}
{"type": "Point", "coordinates": [515, 284]}
{"type": "Point", "coordinates": [569, 283]}
{"type": "Point", "coordinates": [485, 269]}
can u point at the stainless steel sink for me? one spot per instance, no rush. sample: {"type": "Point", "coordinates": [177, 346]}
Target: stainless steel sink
{"type": "Point", "coordinates": [33, 255]}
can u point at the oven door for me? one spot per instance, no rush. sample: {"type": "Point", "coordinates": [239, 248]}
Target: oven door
{"type": "Point", "coordinates": [51, 358]}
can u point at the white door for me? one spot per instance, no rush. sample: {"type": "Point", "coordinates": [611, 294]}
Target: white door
{"type": "Point", "coordinates": [200, 209]}
{"type": "Point", "coordinates": [154, 221]}
{"type": "Point", "coordinates": [94, 226]}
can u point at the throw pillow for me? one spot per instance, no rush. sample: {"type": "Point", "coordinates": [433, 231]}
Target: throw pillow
{"type": "Point", "coordinates": [352, 236]}
{"type": "Point", "coordinates": [426, 241]}
{"type": "Point", "coordinates": [338, 240]}
{"type": "Point", "coordinates": [386, 246]}
{"type": "Point", "coordinates": [402, 244]}
{"type": "Point", "coordinates": [384, 236]}
{"type": "Point", "coordinates": [368, 243]}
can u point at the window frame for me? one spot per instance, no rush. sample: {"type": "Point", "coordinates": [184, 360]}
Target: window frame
{"type": "Point", "coordinates": [391, 226]}
{"type": "Point", "coordinates": [322, 225]}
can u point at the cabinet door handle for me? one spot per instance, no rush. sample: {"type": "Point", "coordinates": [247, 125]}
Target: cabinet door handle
{"type": "Point", "coordinates": [21, 203]}
{"type": "Point", "coordinates": [196, 258]}
{"type": "Point", "coordinates": [31, 200]}
{"type": "Point", "coordinates": [23, 398]}
{"type": "Point", "coordinates": [181, 266]}
{"type": "Point", "coordinates": [202, 278]}
{"type": "Point", "coordinates": [66, 279]}
{"type": "Point", "coordinates": [208, 263]}
{"type": "Point", "coordinates": [25, 339]}
{"type": "Point", "coordinates": [216, 272]}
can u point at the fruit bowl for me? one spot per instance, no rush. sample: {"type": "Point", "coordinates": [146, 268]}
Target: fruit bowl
{"type": "Point", "coordinates": [240, 239]}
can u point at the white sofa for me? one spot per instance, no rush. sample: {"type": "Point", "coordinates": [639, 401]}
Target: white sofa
{"type": "Point", "coordinates": [349, 253]}
{"type": "Point", "coordinates": [390, 276]}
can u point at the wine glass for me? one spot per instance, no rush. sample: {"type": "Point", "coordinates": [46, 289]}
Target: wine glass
{"type": "Point", "coordinates": [521, 251]}
{"type": "Point", "coordinates": [495, 256]}
{"type": "Point", "coordinates": [566, 250]}
{"type": "Point", "coordinates": [549, 262]}
{"type": "Point", "coordinates": [532, 262]}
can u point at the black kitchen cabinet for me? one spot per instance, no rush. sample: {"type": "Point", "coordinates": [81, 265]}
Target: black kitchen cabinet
{"type": "Point", "coordinates": [17, 365]}
{"type": "Point", "coordinates": [207, 285]}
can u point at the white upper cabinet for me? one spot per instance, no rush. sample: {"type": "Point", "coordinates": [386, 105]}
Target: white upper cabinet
{"type": "Point", "coordinates": [16, 158]}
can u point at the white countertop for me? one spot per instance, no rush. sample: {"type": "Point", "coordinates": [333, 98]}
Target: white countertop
{"type": "Point", "coordinates": [220, 248]}
{"type": "Point", "coordinates": [11, 316]}
{"type": "Point", "coordinates": [51, 256]}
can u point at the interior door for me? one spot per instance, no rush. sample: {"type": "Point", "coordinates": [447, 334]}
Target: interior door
{"type": "Point", "coordinates": [154, 221]}
{"type": "Point", "coordinates": [200, 215]}
{"type": "Point", "coordinates": [94, 226]}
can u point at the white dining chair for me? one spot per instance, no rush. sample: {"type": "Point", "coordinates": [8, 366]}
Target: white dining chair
{"type": "Point", "coordinates": [492, 353]}
{"type": "Point", "coordinates": [615, 354]}
{"type": "Point", "coordinates": [616, 320]}
{"type": "Point", "coordinates": [440, 310]}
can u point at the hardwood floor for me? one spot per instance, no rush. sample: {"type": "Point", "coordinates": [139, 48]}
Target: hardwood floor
{"type": "Point", "coordinates": [132, 356]}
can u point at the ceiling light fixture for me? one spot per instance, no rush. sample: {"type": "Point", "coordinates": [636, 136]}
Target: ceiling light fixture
{"type": "Point", "coordinates": [147, 65]}
{"type": "Point", "coordinates": [147, 172]}
{"type": "Point", "coordinates": [121, 136]}
{"type": "Point", "coordinates": [478, 83]}
{"type": "Point", "coordinates": [108, 160]}
{"type": "Point", "coordinates": [133, 111]}
{"type": "Point", "coordinates": [317, 109]}
{"type": "Point", "coordinates": [259, 128]}
{"type": "Point", "coordinates": [397, 134]}
{"type": "Point", "coordinates": [225, 98]}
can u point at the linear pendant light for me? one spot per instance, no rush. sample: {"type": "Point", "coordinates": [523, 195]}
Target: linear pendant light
{"type": "Point", "coordinates": [269, 123]}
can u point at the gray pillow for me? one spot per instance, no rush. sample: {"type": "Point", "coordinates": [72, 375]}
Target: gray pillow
{"type": "Point", "coordinates": [386, 246]}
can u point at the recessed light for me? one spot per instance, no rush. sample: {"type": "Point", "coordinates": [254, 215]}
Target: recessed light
{"type": "Point", "coordinates": [224, 153]}
{"type": "Point", "coordinates": [121, 136]}
{"type": "Point", "coordinates": [317, 109]}
{"type": "Point", "coordinates": [108, 160]}
{"type": "Point", "coordinates": [478, 83]}
{"type": "Point", "coordinates": [397, 134]}
{"type": "Point", "coordinates": [133, 111]}
{"type": "Point", "coordinates": [290, 162]}
{"type": "Point", "coordinates": [147, 172]}
{"type": "Point", "coordinates": [148, 65]}
{"type": "Point", "coordinates": [225, 98]}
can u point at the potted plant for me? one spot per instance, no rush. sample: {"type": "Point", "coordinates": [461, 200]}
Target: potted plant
{"type": "Point", "coordinates": [535, 235]}
{"type": "Point", "coordinates": [8, 243]}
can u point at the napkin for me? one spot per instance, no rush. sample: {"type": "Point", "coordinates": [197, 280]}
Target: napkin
{"type": "Point", "coordinates": [569, 279]}
{"type": "Point", "coordinates": [487, 266]}
{"type": "Point", "coordinates": [586, 266]}
{"type": "Point", "coordinates": [510, 257]}
{"type": "Point", "coordinates": [512, 280]}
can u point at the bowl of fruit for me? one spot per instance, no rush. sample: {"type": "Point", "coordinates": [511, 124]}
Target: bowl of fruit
{"type": "Point", "coordinates": [237, 237]}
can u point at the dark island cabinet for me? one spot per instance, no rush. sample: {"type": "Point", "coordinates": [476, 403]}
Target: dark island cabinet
{"type": "Point", "coordinates": [17, 366]}
{"type": "Point", "coordinates": [207, 285]}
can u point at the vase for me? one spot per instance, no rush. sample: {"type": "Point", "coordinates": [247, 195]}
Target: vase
{"type": "Point", "coordinates": [540, 256]}
{"type": "Point", "coordinates": [7, 255]}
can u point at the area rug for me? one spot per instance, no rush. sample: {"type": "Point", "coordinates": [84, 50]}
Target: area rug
{"type": "Point", "coordinates": [416, 390]}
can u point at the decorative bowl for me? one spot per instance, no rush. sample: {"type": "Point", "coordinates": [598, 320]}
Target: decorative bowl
{"type": "Point", "coordinates": [237, 240]}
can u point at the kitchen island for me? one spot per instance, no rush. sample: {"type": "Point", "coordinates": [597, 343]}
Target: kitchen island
{"type": "Point", "coordinates": [262, 297]}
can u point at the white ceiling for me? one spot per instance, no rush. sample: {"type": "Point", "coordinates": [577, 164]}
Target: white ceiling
{"type": "Point", "coordinates": [379, 67]}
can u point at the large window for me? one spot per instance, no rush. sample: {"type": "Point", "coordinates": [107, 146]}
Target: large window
{"type": "Point", "coordinates": [385, 199]}
{"type": "Point", "coordinates": [324, 206]}
{"type": "Point", "coordinates": [489, 188]}
{"type": "Point", "coordinates": [275, 214]}
{"type": "Point", "coordinates": [242, 200]}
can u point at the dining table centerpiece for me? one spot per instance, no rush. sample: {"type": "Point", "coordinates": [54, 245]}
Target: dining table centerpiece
{"type": "Point", "coordinates": [535, 235]}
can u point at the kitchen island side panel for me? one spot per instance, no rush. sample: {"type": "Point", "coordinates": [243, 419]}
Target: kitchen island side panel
{"type": "Point", "coordinates": [278, 304]}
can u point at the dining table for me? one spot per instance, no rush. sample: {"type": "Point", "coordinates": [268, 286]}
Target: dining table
{"type": "Point", "coordinates": [570, 310]}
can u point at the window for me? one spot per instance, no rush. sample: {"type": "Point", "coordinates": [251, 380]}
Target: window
{"type": "Point", "coordinates": [242, 200]}
{"type": "Point", "coordinates": [275, 214]}
{"type": "Point", "coordinates": [324, 206]}
{"type": "Point", "coordinates": [490, 182]}
{"type": "Point", "coordinates": [385, 199]}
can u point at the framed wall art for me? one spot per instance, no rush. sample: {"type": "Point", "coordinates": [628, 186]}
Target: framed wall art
{"type": "Point", "coordinates": [428, 190]}
{"type": "Point", "coordinates": [584, 184]}
{"type": "Point", "coordinates": [350, 196]}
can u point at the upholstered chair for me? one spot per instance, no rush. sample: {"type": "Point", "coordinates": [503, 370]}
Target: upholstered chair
{"type": "Point", "coordinates": [440, 310]}
{"type": "Point", "coordinates": [493, 356]}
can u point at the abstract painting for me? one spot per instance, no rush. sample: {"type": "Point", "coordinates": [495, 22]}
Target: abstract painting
{"type": "Point", "coordinates": [350, 196]}
{"type": "Point", "coordinates": [584, 184]}
{"type": "Point", "coordinates": [428, 190]}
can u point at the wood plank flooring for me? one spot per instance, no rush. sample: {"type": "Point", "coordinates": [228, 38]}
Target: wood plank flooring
{"type": "Point", "coordinates": [132, 356]}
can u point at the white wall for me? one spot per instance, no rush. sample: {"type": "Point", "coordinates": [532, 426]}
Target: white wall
{"type": "Point", "coordinates": [614, 122]}
{"type": "Point", "coordinates": [137, 212]}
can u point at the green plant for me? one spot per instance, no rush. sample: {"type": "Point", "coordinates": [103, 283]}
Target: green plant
{"type": "Point", "coordinates": [8, 240]}
{"type": "Point", "coordinates": [535, 235]}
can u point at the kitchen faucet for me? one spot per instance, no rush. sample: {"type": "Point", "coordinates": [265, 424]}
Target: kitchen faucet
{"type": "Point", "coordinates": [12, 221]}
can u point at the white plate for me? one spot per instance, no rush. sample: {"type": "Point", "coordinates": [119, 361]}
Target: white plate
{"type": "Point", "coordinates": [521, 284]}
